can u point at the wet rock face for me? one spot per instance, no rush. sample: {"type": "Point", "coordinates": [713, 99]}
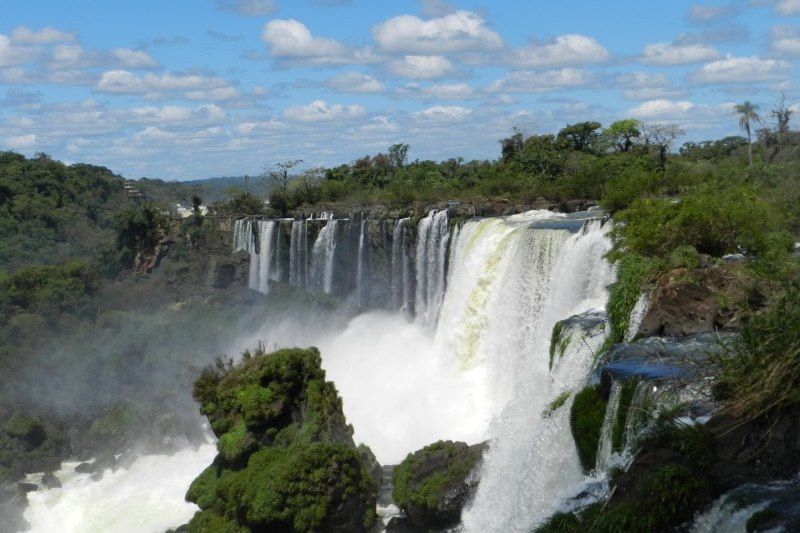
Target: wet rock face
{"type": "Point", "coordinates": [226, 271]}
{"type": "Point", "coordinates": [755, 450]}
{"type": "Point", "coordinates": [433, 484]}
{"type": "Point", "coordinates": [688, 302]}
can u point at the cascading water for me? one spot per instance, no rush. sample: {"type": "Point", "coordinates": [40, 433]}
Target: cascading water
{"type": "Point", "coordinates": [298, 254]}
{"type": "Point", "coordinates": [432, 239]}
{"type": "Point", "coordinates": [401, 268]}
{"type": "Point", "coordinates": [262, 265]}
{"type": "Point", "coordinates": [637, 316]}
{"type": "Point", "coordinates": [323, 256]}
{"type": "Point", "coordinates": [513, 284]}
{"type": "Point", "coordinates": [361, 267]}
{"type": "Point", "coordinates": [605, 447]}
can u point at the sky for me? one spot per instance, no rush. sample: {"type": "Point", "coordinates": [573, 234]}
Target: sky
{"type": "Point", "coordinates": [186, 89]}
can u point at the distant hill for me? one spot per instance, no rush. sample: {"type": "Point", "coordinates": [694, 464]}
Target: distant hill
{"type": "Point", "coordinates": [210, 190]}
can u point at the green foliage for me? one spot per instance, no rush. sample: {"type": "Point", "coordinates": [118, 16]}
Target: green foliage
{"type": "Point", "coordinates": [21, 426]}
{"type": "Point", "coordinates": [716, 219]}
{"type": "Point", "coordinates": [557, 403]}
{"type": "Point", "coordinates": [622, 134]}
{"type": "Point", "coordinates": [34, 296]}
{"type": "Point", "coordinates": [117, 426]}
{"type": "Point", "coordinates": [51, 212]}
{"type": "Point", "coordinates": [203, 490]}
{"type": "Point", "coordinates": [301, 486]}
{"type": "Point", "coordinates": [620, 191]}
{"type": "Point", "coordinates": [286, 459]}
{"type": "Point", "coordinates": [586, 421]}
{"type": "Point", "coordinates": [761, 371]}
{"type": "Point", "coordinates": [633, 273]}
{"type": "Point", "coordinates": [139, 229]}
{"type": "Point", "coordinates": [236, 443]}
{"type": "Point", "coordinates": [558, 342]}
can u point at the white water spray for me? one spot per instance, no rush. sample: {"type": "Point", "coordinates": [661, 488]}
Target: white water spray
{"type": "Point", "coordinates": [147, 497]}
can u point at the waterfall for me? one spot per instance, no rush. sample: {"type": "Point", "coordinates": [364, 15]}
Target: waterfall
{"type": "Point", "coordinates": [637, 415]}
{"type": "Point", "coordinates": [637, 315]}
{"type": "Point", "coordinates": [298, 254]}
{"type": "Point", "coordinates": [509, 286]}
{"type": "Point", "coordinates": [432, 239]}
{"type": "Point", "coordinates": [242, 235]}
{"type": "Point", "coordinates": [605, 447]}
{"type": "Point", "coordinates": [361, 266]}
{"type": "Point", "coordinates": [262, 265]}
{"type": "Point", "coordinates": [322, 256]}
{"type": "Point", "coordinates": [401, 268]}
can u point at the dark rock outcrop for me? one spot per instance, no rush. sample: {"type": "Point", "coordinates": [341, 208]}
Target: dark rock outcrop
{"type": "Point", "coordinates": [226, 271]}
{"type": "Point", "coordinates": [688, 302]}
{"type": "Point", "coordinates": [433, 484]}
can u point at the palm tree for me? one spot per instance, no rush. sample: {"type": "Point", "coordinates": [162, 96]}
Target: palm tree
{"type": "Point", "coordinates": [748, 112]}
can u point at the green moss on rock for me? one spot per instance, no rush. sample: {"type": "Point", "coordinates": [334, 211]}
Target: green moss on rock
{"type": "Point", "coordinates": [25, 428]}
{"type": "Point", "coordinates": [287, 460]}
{"type": "Point", "coordinates": [586, 421]}
{"type": "Point", "coordinates": [433, 484]}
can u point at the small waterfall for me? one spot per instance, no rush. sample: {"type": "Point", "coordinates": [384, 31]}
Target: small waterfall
{"type": "Point", "coordinates": [637, 415]}
{"type": "Point", "coordinates": [361, 266]}
{"type": "Point", "coordinates": [432, 240]}
{"type": "Point", "coordinates": [262, 265]}
{"type": "Point", "coordinates": [322, 256]}
{"type": "Point", "coordinates": [242, 235]}
{"type": "Point", "coordinates": [637, 315]}
{"type": "Point", "coordinates": [401, 268]}
{"type": "Point", "coordinates": [605, 447]}
{"type": "Point", "coordinates": [298, 254]}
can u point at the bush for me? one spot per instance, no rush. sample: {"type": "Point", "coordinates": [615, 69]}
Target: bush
{"type": "Point", "coordinates": [761, 371]}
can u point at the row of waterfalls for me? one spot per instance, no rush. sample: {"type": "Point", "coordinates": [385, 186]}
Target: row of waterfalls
{"type": "Point", "coordinates": [377, 264]}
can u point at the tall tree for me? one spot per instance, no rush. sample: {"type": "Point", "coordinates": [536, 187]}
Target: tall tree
{"type": "Point", "coordinates": [622, 133]}
{"type": "Point", "coordinates": [398, 153]}
{"type": "Point", "coordinates": [781, 114]}
{"type": "Point", "coordinates": [580, 136]}
{"type": "Point", "coordinates": [279, 173]}
{"type": "Point", "coordinates": [748, 114]}
{"type": "Point", "coordinates": [661, 137]}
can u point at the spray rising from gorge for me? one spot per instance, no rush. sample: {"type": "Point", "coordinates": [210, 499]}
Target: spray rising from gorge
{"type": "Point", "coordinates": [448, 338]}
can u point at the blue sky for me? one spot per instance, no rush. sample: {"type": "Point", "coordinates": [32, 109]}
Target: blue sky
{"type": "Point", "coordinates": [184, 89]}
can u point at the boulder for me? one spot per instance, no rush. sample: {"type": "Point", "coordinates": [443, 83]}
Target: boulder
{"type": "Point", "coordinates": [691, 301]}
{"type": "Point", "coordinates": [433, 484]}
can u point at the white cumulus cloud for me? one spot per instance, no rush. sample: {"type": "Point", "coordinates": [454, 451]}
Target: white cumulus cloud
{"type": "Point", "coordinates": [661, 108]}
{"type": "Point", "coordinates": [422, 67]}
{"type": "Point", "coordinates": [564, 50]}
{"type": "Point", "coordinates": [443, 113]}
{"type": "Point", "coordinates": [742, 70]}
{"type": "Point", "coordinates": [290, 38]}
{"type": "Point", "coordinates": [462, 31]}
{"type": "Point", "coordinates": [540, 81]}
{"type": "Point", "coordinates": [320, 111]}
